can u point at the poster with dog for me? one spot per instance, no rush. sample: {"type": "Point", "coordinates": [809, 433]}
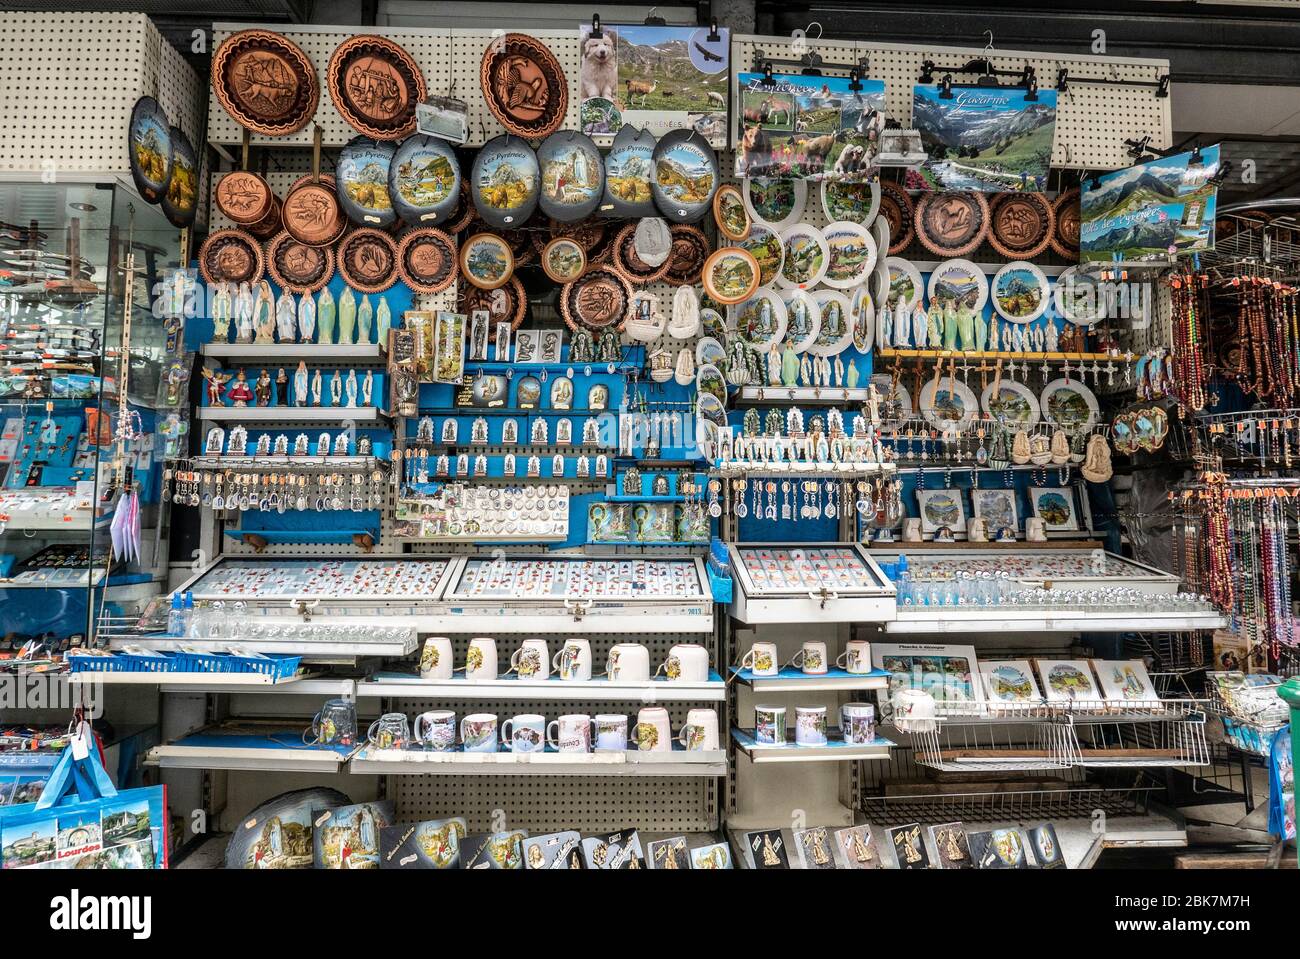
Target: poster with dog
{"type": "Point", "coordinates": [809, 128]}
{"type": "Point", "coordinates": [655, 78]}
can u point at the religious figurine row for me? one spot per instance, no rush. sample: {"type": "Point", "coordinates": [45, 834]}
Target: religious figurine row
{"type": "Point", "coordinates": [236, 444]}
{"type": "Point", "coordinates": [783, 442]}
{"type": "Point", "coordinates": [303, 390]}
{"type": "Point", "coordinates": [257, 316]}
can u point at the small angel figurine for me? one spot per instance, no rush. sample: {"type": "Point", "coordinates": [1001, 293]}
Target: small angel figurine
{"type": "Point", "coordinates": [216, 381]}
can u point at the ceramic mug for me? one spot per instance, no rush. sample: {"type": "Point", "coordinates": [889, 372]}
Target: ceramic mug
{"type": "Point", "coordinates": [653, 733]}
{"type": "Point", "coordinates": [810, 725]}
{"type": "Point", "coordinates": [524, 734]}
{"type": "Point", "coordinates": [573, 661]}
{"type": "Point", "coordinates": [435, 730]}
{"type": "Point", "coordinates": [389, 731]}
{"type": "Point", "coordinates": [769, 725]}
{"type": "Point", "coordinates": [572, 734]}
{"type": "Point", "coordinates": [856, 657]}
{"type": "Point", "coordinates": [611, 733]}
{"type": "Point", "coordinates": [761, 660]}
{"type": "Point", "coordinates": [914, 710]}
{"type": "Point", "coordinates": [435, 658]}
{"type": "Point", "coordinates": [334, 725]}
{"type": "Point", "coordinates": [686, 663]}
{"type": "Point", "coordinates": [532, 660]}
{"type": "Point", "coordinates": [478, 731]}
{"type": "Point", "coordinates": [481, 659]}
{"type": "Point", "coordinates": [811, 658]}
{"type": "Point", "coordinates": [858, 722]}
{"type": "Point", "coordinates": [628, 663]}
{"type": "Point", "coordinates": [700, 731]}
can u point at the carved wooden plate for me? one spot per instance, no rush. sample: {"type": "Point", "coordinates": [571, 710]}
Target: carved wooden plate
{"type": "Point", "coordinates": [524, 85]}
{"type": "Point", "coordinates": [1022, 224]}
{"type": "Point", "coordinates": [897, 209]}
{"type": "Point", "coordinates": [375, 85]}
{"type": "Point", "coordinates": [231, 256]}
{"type": "Point", "coordinates": [599, 301]}
{"type": "Point", "coordinates": [265, 82]}
{"type": "Point", "coordinates": [632, 267]}
{"type": "Point", "coordinates": [690, 250]}
{"type": "Point", "coordinates": [296, 266]}
{"type": "Point", "coordinates": [426, 260]}
{"type": "Point", "coordinates": [504, 304]}
{"type": "Point", "coordinates": [1065, 237]}
{"type": "Point", "coordinates": [367, 260]}
{"type": "Point", "coordinates": [951, 223]}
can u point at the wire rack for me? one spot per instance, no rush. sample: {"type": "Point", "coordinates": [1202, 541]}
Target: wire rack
{"type": "Point", "coordinates": [1053, 800]}
{"type": "Point", "coordinates": [1252, 245]}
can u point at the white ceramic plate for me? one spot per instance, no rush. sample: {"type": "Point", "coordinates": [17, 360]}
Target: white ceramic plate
{"type": "Point", "coordinates": [1078, 297]}
{"type": "Point", "coordinates": [958, 279]}
{"type": "Point", "coordinates": [948, 403]}
{"type": "Point", "coordinates": [852, 253]}
{"type": "Point", "coordinates": [709, 350]}
{"type": "Point", "coordinates": [1068, 404]}
{"type": "Point", "coordinates": [764, 245]}
{"type": "Point", "coordinates": [803, 318]}
{"type": "Point", "coordinates": [836, 332]}
{"type": "Point", "coordinates": [760, 320]}
{"type": "Point", "coordinates": [709, 407]}
{"type": "Point", "coordinates": [901, 274]}
{"type": "Point", "coordinates": [1017, 405]}
{"type": "Point", "coordinates": [858, 202]}
{"type": "Point", "coordinates": [1020, 292]}
{"type": "Point", "coordinates": [713, 323]}
{"type": "Point", "coordinates": [763, 200]}
{"type": "Point", "coordinates": [862, 317]}
{"type": "Point", "coordinates": [806, 257]}
{"type": "Point", "coordinates": [709, 381]}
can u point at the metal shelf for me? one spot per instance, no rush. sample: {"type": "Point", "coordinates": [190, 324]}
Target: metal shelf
{"type": "Point", "coordinates": [186, 682]}
{"type": "Point", "coordinates": [317, 648]}
{"type": "Point", "coordinates": [284, 352]}
{"type": "Point", "coordinates": [342, 464]}
{"type": "Point", "coordinates": [549, 690]}
{"type": "Point", "coordinates": [1010, 620]}
{"type": "Point", "coordinates": [835, 750]}
{"type": "Point", "coordinates": [775, 395]}
{"type": "Point", "coordinates": [791, 680]}
{"type": "Point", "coordinates": [678, 762]}
{"type": "Point", "coordinates": [304, 415]}
{"type": "Point", "coordinates": [311, 760]}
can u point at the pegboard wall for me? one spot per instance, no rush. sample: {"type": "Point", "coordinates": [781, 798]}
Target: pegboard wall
{"type": "Point", "coordinates": [68, 82]}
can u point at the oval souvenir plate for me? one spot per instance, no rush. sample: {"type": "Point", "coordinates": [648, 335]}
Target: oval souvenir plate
{"type": "Point", "coordinates": [487, 261]}
{"type": "Point", "coordinates": [959, 282]}
{"type": "Point", "coordinates": [629, 168]}
{"type": "Point", "coordinates": [709, 351]}
{"type": "Point", "coordinates": [760, 320]}
{"type": "Point", "coordinates": [730, 275]}
{"type": "Point", "coordinates": [151, 149]}
{"type": "Point", "coordinates": [599, 301]}
{"type": "Point", "coordinates": [1078, 297]}
{"type": "Point", "coordinates": [905, 284]}
{"type": "Point", "coordinates": [862, 317]}
{"type": "Point", "coordinates": [852, 254]}
{"type": "Point", "coordinates": [427, 260]}
{"type": "Point", "coordinates": [775, 203]}
{"type": "Point", "coordinates": [686, 261]}
{"type": "Point", "coordinates": [312, 214]}
{"type": "Point", "coordinates": [803, 318]}
{"type": "Point", "coordinates": [361, 181]}
{"type": "Point", "coordinates": [524, 86]}
{"type": "Point", "coordinates": [1020, 292]}
{"type": "Point", "coordinates": [765, 246]}
{"type": "Point", "coordinates": [564, 259]}
{"type": "Point", "coordinates": [806, 256]}
{"type": "Point", "coordinates": [1022, 224]}
{"type": "Point", "coordinates": [180, 202]}
{"type": "Point", "coordinates": [265, 82]}
{"type": "Point", "coordinates": [835, 332]}
{"type": "Point", "coordinates": [880, 275]}
{"type": "Point", "coordinates": [709, 380]}
{"type": "Point", "coordinates": [632, 267]}
{"type": "Point", "coordinates": [713, 324]}
{"type": "Point", "coordinates": [505, 304]}
{"type": "Point", "coordinates": [505, 181]}
{"type": "Point", "coordinates": [375, 85]}
{"type": "Point", "coordinates": [572, 176]}
{"type": "Point", "coordinates": [855, 202]}
{"type": "Point", "coordinates": [296, 266]}
{"type": "Point", "coordinates": [895, 400]}
{"type": "Point", "coordinates": [897, 209]}
{"type": "Point", "coordinates": [948, 403]}
{"type": "Point", "coordinates": [231, 256]}
{"type": "Point", "coordinates": [1065, 238]}
{"type": "Point", "coordinates": [730, 213]}
{"type": "Point", "coordinates": [712, 409]}
{"type": "Point", "coordinates": [1016, 406]}
{"type": "Point", "coordinates": [1067, 403]}
{"type": "Point", "coordinates": [424, 180]}
{"type": "Point", "coordinates": [685, 176]}
{"type": "Point", "coordinates": [952, 223]}
{"type": "Point", "coordinates": [367, 260]}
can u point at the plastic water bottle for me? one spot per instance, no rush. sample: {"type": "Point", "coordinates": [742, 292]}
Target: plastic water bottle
{"type": "Point", "coordinates": [903, 583]}
{"type": "Point", "coordinates": [190, 621]}
{"type": "Point", "coordinates": [176, 617]}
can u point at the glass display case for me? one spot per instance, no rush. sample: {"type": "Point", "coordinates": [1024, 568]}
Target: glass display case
{"type": "Point", "coordinates": [796, 582]}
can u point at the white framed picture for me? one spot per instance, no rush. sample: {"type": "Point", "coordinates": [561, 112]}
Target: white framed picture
{"type": "Point", "coordinates": [1067, 680]}
{"type": "Point", "coordinates": [997, 507]}
{"type": "Point", "coordinates": [1125, 680]}
{"type": "Point", "coordinates": [1054, 505]}
{"type": "Point", "coordinates": [940, 508]}
{"type": "Point", "coordinates": [1010, 681]}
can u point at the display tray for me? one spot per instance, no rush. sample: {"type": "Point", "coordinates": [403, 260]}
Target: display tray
{"type": "Point", "coordinates": [278, 581]}
{"type": "Point", "coordinates": [678, 762]}
{"type": "Point", "coordinates": [806, 582]}
{"type": "Point", "coordinates": [835, 749]}
{"type": "Point", "coordinates": [1034, 566]}
{"type": "Point", "coordinates": [791, 680]}
{"type": "Point", "coordinates": [249, 746]}
{"type": "Point", "coordinates": [509, 688]}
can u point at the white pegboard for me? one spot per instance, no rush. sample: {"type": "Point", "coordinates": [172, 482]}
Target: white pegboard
{"type": "Point", "coordinates": [68, 82]}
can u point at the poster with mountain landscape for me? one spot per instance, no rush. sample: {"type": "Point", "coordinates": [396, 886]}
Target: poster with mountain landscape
{"type": "Point", "coordinates": [655, 78]}
{"type": "Point", "coordinates": [985, 138]}
{"type": "Point", "coordinates": [1150, 211]}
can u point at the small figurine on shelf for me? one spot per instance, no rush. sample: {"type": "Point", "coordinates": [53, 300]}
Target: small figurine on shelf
{"type": "Point", "coordinates": [920, 326]}
{"type": "Point", "coordinates": [286, 317]}
{"type": "Point", "coordinates": [239, 393]}
{"type": "Point", "coordinates": [281, 387]}
{"type": "Point", "coordinates": [316, 387]}
{"type": "Point", "coordinates": [347, 317]}
{"type": "Point", "coordinates": [851, 377]}
{"type": "Point", "coordinates": [336, 389]}
{"type": "Point", "coordinates": [367, 388]}
{"type": "Point", "coordinates": [216, 381]}
{"type": "Point", "coordinates": [306, 318]}
{"type": "Point", "coordinates": [262, 388]}
{"type": "Point", "coordinates": [966, 328]}
{"type": "Point", "coordinates": [885, 326]}
{"type": "Point", "coordinates": [935, 336]}
{"type": "Point", "coordinates": [981, 333]}
{"type": "Point", "coordinates": [384, 319]}
{"type": "Point", "coordinates": [223, 311]}
{"type": "Point", "coordinates": [326, 314]}
{"type": "Point", "coordinates": [264, 314]}
{"type": "Point", "coordinates": [300, 384]}
{"type": "Point", "coordinates": [1051, 340]}
{"type": "Point", "coordinates": [365, 319]}
{"type": "Point", "coordinates": [790, 366]}
{"type": "Point", "coordinates": [351, 388]}
{"type": "Point", "coordinates": [949, 327]}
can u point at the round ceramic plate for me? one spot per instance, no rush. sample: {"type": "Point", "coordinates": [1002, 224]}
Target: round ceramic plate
{"type": "Point", "coordinates": [685, 176]}
{"type": "Point", "coordinates": [730, 275]}
{"type": "Point", "coordinates": [1022, 225]}
{"type": "Point", "coordinates": [690, 250]}
{"type": "Point", "coordinates": [835, 332]}
{"type": "Point", "coordinates": [897, 210]}
{"type": "Point", "coordinates": [709, 351]}
{"type": "Point", "coordinates": [486, 261]}
{"type": "Point", "coordinates": [231, 256]}
{"type": "Point", "coordinates": [709, 380]}
{"type": "Point", "coordinates": [564, 259]}
{"type": "Point", "coordinates": [895, 400]}
{"type": "Point", "coordinates": [852, 255]}
{"type": "Point", "coordinates": [1016, 406]}
{"type": "Point", "coordinates": [375, 85]}
{"type": "Point", "coordinates": [1067, 403]}
{"type": "Point", "coordinates": [952, 223]}
{"type": "Point", "coordinates": [180, 202]}
{"type": "Point", "coordinates": [367, 260]}
{"type": "Point", "coordinates": [297, 267]}
{"type": "Point", "coordinates": [713, 324]}
{"type": "Point", "coordinates": [599, 301]}
{"type": "Point", "coordinates": [151, 149]}
{"type": "Point", "coordinates": [765, 245]}
{"type": "Point", "coordinates": [776, 203]}
{"type": "Point", "coordinates": [905, 285]}
{"type": "Point", "coordinates": [1020, 292]}
{"type": "Point", "coordinates": [1065, 238]}
{"type": "Point", "coordinates": [959, 282]}
{"type": "Point", "coordinates": [265, 82]}
{"type": "Point", "coordinates": [361, 180]}
{"type": "Point", "coordinates": [948, 403]}
{"type": "Point", "coordinates": [1078, 297]}
{"type": "Point", "coordinates": [629, 166]}
{"type": "Point", "coordinates": [710, 408]}
{"type": "Point", "coordinates": [760, 320]}
{"type": "Point", "coordinates": [803, 319]}
{"type": "Point", "coordinates": [424, 180]}
{"type": "Point", "coordinates": [806, 257]}
{"type": "Point", "coordinates": [862, 317]}
{"type": "Point", "coordinates": [524, 86]}
{"type": "Point", "coordinates": [854, 202]}
{"type": "Point", "coordinates": [427, 260]}
{"type": "Point", "coordinates": [573, 176]}
{"type": "Point", "coordinates": [730, 213]}
{"type": "Point", "coordinates": [880, 275]}
{"type": "Point", "coordinates": [505, 182]}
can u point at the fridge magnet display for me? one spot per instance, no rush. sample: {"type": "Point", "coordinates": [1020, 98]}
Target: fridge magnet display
{"type": "Point", "coordinates": [1020, 292]}
{"type": "Point", "coordinates": [809, 128]}
{"type": "Point", "coordinates": [948, 403]}
{"type": "Point", "coordinates": [948, 673]}
{"type": "Point", "coordinates": [629, 170]}
{"type": "Point", "coordinates": [858, 847]}
{"type": "Point", "coordinates": [298, 267]}
{"type": "Point", "coordinates": [1125, 681]}
{"type": "Point", "coordinates": [501, 850]}
{"type": "Point", "coordinates": [905, 285]}
{"type": "Point", "coordinates": [764, 244]}
{"type": "Point", "coordinates": [806, 257]}
{"type": "Point", "coordinates": [609, 523]}
{"type": "Point", "coordinates": [1067, 403]}
{"type": "Point", "coordinates": [985, 138]}
{"type": "Point", "coordinates": [660, 78]}
{"type": "Point", "coordinates": [598, 302]}
{"type": "Point", "coordinates": [231, 256]}
{"type": "Point", "coordinates": [375, 86]}
{"type": "Point", "coordinates": [814, 848]}
{"type": "Point", "coordinates": [760, 321]}
{"type": "Point", "coordinates": [424, 180]}
{"type": "Point", "coordinates": [960, 284]}
{"type": "Point", "coordinates": [558, 850]}
{"type": "Point", "coordinates": [564, 260]}
{"type": "Point", "coordinates": [1010, 681]}
{"type": "Point", "coordinates": [486, 261]}
{"type": "Point", "coordinates": [952, 224]}
{"type": "Point", "coordinates": [505, 181]}
{"type": "Point", "coordinates": [504, 304]}
{"type": "Point", "coordinates": [1150, 211]}
{"type": "Point", "coordinates": [1055, 507]}
{"type": "Point", "coordinates": [775, 203]}
{"type": "Point", "coordinates": [730, 275]}
{"type": "Point", "coordinates": [856, 202]}
{"type": "Point", "coordinates": [151, 149]}
{"type": "Point", "coordinates": [998, 849]}
{"type": "Point", "coordinates": [685, 176]}
{"type": "Point", "coordinates": [348, 837]}
{"type": "Point", "coordinates": [997, 507]}
{"type": "Point", "coordinates": [1067, 680]}
{"type": "Point", "coordinates": [361, 179]}
{"type": "Point", "coordinates": [668, 854]}
{"type": "Point", "coordinates": [265, 82]}
{"type": "Point", "coordinates": [1014, 407]}
{"type": "Point", "coordinates": [1046, 847]}
{"type": "Point", "coordinates": [730, 213]}
{"type": "Point", "coordinates": [940, 508]}
{"type": "Point", "coordinates": [951, 846]}
{"type": "Point", "coordinates": [1065, 237]}
{"type": "Point", "coordinates": [766, 849]}
{"type": "Point", "coordinates": [180, 201]}
{"type": "Point", "coordinates": [899, 212]}
{"type": "Point", "coordinates": [449, 347]}
{"type": "Point", "coordinates": [367, 260]}
{"type": "Point", "coordinates": [713, 856]}
{"type": "Point", "coordinates": [834, 332]}
{"type": "Point", "coordinates": [909, 846]}
{"type": "Point", "coordinates": [572, 176]}
{"type": "Point", "coordinates": [852, 254]}
{"type": "Point", "coordinates": [1022, 224]}
{"type": "Point", "coordinates": [803, 319]}
{"type": "Point", "coordinates": [426, 260]}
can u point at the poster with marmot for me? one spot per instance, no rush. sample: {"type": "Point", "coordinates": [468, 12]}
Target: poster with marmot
{"type": "Point", "coordinates": [809, 128]}
{"type": "Point", "coordinates": [655, 78]}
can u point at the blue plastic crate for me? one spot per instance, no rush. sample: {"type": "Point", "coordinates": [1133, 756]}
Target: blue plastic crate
{"type": "Point", "coordinates": [149, 662]}
{"type": "Point", "coordinates": [98, 664]}
{"type": "Point", "coordinates": [203, 662]}
{"type": "Point", "coordinates": [278, 666]}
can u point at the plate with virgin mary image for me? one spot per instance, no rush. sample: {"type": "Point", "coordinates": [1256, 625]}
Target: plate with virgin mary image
{"type": "Point", "coordinates": [572, 176]}
{"type": "Point", "coordinates": [835, 332]}
{"type": "Point", "coordinates": [760, 320]}
{"type": "Point", "coordinates": [803, 319]}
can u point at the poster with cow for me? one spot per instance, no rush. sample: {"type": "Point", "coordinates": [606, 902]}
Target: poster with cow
{"type": "Point", "coordinates": [809, 128]}
{"type": "Point", "coordinates": [654, 78]}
